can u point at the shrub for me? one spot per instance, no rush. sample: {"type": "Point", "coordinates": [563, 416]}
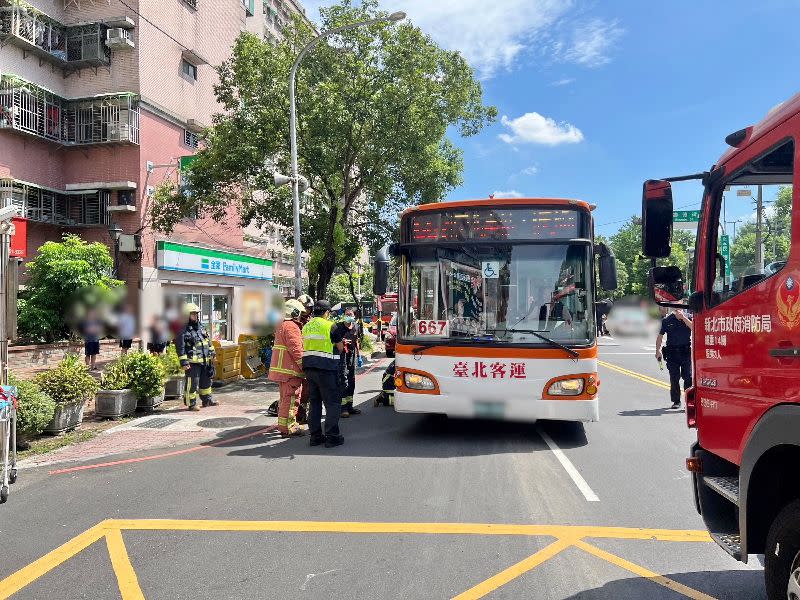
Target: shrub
{"type": "Point", "coordinates": [35, 409]}
{"type": "Point", "coordinates": [367, 343]}
{"type": "Point", "coordinates": [170, 362]}
{"type": "Point", "coordinates": [70, 381]}
{"type": "Point", "coordinates": [146, 374]}
{"type": "Point", "coordinates": [116, 376]}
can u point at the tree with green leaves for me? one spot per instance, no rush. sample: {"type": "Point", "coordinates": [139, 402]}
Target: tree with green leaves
{"type": "Point", "coordinates": [777, 233]}
{"type": "Point", "coordinates": [374, 106]}
{"type": "Point", "coordinates": [59, 274]}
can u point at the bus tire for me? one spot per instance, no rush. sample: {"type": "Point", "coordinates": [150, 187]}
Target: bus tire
{"type": "Point", "coordinates": [782, 554]}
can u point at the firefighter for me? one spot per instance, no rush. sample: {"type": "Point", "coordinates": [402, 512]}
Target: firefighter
{"type": "Point", "coordinates": [678, 351]}
{"type": "Point", "coordinates": [286, 368]}
{"type": "Point", "coordinates": [321, 348]}
{"type": "Point", "coordinates": [308, 302]}
{"type": "Point", "coordinates": [348, 362]}
{"type": "Point", "coordinates": [196, 354]}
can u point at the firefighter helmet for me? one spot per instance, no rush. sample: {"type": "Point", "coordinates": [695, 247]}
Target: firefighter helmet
{"type": "Point", "coordinates": [190, 307]}
{"type": "Point", "coordinates": [307, 301]}
{"type": "Point", "coordinates": [293, 309]}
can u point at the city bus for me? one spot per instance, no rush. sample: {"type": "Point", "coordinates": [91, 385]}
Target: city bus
{"type": "Point", "coordinates": [496, 311]}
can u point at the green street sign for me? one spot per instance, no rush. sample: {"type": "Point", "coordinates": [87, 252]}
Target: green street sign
{"type": "Point", "coordinates": [186, 161]}
{"type": "Point", "coordinates": [725, 250]}
{"type": "Point", "coordinates": [686, 216]}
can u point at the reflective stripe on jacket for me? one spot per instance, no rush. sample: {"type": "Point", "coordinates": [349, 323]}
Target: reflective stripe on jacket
{"type": "Point", "coordinates": [287, 353]}
{"type": "Point", "coordinates": [193, 345]}
{"type": "Point", "coordinates": [318, 347]}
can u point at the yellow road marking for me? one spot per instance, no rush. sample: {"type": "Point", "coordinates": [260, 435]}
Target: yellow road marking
{"type": "Point", "coordinates": [558, 531]}
{"type": "Point", "coordinates": [565, 535]}
{"type": "Point", "coordinates": [642, 572]}
{"type": "Point", "coordinates": [126, 577]}
{"type": "Point", "coordinates": [645, 378]}
{"type": "Point", "coordinates": [26, 575]}
{"type": "Point", "coordinates": [514, 571]}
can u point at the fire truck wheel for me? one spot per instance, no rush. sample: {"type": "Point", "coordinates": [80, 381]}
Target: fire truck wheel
{"type": "Point", "coordinates": [782, 555]}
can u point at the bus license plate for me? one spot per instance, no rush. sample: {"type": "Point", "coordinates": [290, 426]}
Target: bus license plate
{"type": "Point", "coordinates": [490, 410]}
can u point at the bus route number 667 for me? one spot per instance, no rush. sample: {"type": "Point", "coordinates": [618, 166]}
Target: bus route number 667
{"type": "Point", "coordinates": [432, 328]}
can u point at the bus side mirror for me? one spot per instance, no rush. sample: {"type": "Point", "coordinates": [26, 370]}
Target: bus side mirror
{"type": "Point", "coordinates": [380, 283]}
{"type": "Point", "coordinates": [656, 218]}
{"type": "Point", "coordinates": [607, 267]}
{"type": "Point", "coordinates": [666, 284]}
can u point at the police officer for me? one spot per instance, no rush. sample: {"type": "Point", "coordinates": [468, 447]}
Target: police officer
{"type": "Point", "coordinates": [677, 327]}
{"type": "Point", "coordinates": [321, 349]}
{"type": "Point", "coordinates": [196, 354]}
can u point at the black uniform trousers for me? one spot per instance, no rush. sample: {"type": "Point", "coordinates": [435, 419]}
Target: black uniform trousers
{"type": "Point", "coordinates": [679, 365]}
{"type": "Point", "coordinates": [323, 388]}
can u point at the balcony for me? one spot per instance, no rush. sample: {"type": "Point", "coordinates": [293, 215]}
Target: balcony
{"type": "Point", "coordinates": [70, 209]}
{"type": "Point", "coordinates": [70, 47]}
{"type": "Point", "coordinates": [29, 109]}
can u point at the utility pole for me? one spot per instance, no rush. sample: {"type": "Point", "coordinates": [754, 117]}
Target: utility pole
{"type": "Point", "coordinates": [759, 233]}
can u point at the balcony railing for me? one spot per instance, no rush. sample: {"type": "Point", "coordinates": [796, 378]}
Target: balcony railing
{"type": "Point", "coordinates": [73, 46]}
{"type": "Point", "coordinates": [27, 108]}
{"type": "Point", "coordinates": [48, 206]}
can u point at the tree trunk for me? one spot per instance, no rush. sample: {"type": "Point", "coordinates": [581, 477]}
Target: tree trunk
{"type": "Point", "coordinates": [357, 301]}
{"type": "Point", "coordinates": [328, 263]}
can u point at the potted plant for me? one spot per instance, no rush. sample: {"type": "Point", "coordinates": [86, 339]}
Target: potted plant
{"type": "Point", "coordinates": [176, 380]}
{"type": "Point", "coordinates": [115, 398]}
{"type": "Point", "coordinates": [70, 385]}
{"type": "Point", "coordinates": [34, 411]}
{"type": "Point", "coordinates": [146, 379]}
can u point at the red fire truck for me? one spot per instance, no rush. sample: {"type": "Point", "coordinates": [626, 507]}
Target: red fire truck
{"type": "Point", "coordinates": [745, 403]}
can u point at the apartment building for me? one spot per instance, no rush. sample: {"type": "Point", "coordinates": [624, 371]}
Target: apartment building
{"type": "Point", "coordinates": [101, 101]}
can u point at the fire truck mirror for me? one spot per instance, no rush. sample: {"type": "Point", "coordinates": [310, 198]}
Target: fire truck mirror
{"type": "Point", "coordinates": [656, 218]}
{"type": "Point", "coordinates": [380, 283]}
{"type": "Point", "coordinates": [666, 284]}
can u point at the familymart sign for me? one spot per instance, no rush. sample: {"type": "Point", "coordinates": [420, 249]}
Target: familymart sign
{"type": "Point", "coordinates": [191, 259]}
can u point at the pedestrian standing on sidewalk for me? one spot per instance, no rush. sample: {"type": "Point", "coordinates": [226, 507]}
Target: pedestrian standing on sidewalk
{"type": "Point", "coordinates": [286, 368]}
{"type": "Point", "coordinates": [678, 351]}
{"type": "Point", "coordinates": [321, 348]}
{"type": "Point", "coordinates": [348, 360]}
{"type": "Point", "coordinates": [92, 330]}
{"type": "Point", "coordinates": [126, 328]}
{"type": "Point", "coordinates": [196, 354]}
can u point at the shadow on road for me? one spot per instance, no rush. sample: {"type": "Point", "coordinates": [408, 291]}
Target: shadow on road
{"type": "Point", "coordinates": [380, 432]}
{"type": "Point", "coordinates": [723, 585]}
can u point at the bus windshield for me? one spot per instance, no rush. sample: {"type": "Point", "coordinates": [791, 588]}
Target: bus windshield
{"type": "Point", "coordinates": [503, 293]}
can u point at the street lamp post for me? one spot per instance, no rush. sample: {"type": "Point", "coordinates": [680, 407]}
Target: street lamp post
{"type": "Point", "coordinates": [295, 179]}
{"type": "Point", "coordinates": [115, 231]}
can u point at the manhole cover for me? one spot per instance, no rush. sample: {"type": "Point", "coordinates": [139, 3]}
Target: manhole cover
{"type": "Point", "coordinates": [158, 423]}
{"type": "Point", "coordinates": [223, 422]}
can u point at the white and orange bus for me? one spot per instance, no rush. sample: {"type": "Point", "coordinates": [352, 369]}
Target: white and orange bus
{"type": "Point", "coordinates": [496, 310]}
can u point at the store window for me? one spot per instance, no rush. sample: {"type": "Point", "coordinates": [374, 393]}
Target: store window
{"type": "Point", "coordinates": [214, 313]}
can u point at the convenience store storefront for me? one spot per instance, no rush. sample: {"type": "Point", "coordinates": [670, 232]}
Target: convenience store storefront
{"type": "Point", "coordinates": [233, 290]}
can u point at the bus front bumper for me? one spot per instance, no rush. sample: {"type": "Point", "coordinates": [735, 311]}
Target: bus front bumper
{"type": "Point", "coordinates": [519, 409]}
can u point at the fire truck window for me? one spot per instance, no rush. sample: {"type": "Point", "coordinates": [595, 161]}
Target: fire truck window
{"type": "Point", "coordinates": [757, 206]}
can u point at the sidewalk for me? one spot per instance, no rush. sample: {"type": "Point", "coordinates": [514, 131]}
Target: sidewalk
{"type": "Point", "coordinates": [240, 403]}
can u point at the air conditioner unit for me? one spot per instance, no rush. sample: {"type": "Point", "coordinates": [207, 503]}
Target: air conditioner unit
{"type": "Point", "coordinates": [118, 38]}
{"type": "Point", "coordinates": [119, 132]}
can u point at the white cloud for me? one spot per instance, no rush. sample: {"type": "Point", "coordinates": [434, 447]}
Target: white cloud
{"type": "Point", "coordinates": [490, 35]}
{"type": "Point", "coordinates": [592, 42]}
{"type": "Point", "coordinates": [508, 194]}
{"type": "Point", "coordinates": [562, 81]}
{"type": "Point", "coordinates": [532, 170]}
{"type": "Point", "coordinates": [533, 128]}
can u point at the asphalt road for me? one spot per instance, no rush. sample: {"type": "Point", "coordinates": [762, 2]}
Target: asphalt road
{"type": "Point", "coordinates": [410, 507]}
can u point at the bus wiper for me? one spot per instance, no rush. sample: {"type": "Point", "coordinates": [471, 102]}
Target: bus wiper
{"type": "Point", "coordinates": [476, 338]}
{"type": "Point", "coordinates": [569, 351]}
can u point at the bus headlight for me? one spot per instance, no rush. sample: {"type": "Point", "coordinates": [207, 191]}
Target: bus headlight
{"type": "Point", "coordinates": [566, 387]}
{"type": "Point", "coordinates": [415, 381]}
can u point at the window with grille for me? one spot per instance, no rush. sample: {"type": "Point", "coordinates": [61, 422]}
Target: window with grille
{"type": "Point", "coordinates": [189, 69]}
{"type": "Point", "coordinates": [190, 139]}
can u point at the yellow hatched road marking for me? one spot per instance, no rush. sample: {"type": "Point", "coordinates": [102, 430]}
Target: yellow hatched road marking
{"type": "Point", "coordinates": [566, 535]}
{"type": "Point", "coordinates": [126, 577]}
{"type": "Point", "coordinates": [514, 571]}
{"type": "Point", "coordinates": [640, 376]}
{"type": "Point", "coordinates": [642, 572]}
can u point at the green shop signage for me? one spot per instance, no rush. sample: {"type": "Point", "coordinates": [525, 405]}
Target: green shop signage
{"type": "Point", "coordinates": [191, 259]}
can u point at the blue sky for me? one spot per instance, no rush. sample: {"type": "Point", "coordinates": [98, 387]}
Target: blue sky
{"type": "Point", "coordinates": [594, 97]}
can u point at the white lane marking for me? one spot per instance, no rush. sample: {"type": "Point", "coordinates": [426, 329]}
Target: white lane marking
{"type": "Point", "coordinates": [576, 477]}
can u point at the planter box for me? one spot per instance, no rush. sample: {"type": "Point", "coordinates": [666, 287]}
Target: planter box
{"type": "Point", "coordinates": [175, 386]}
{"type": "Point", "coordinates": [150, 403]}
{"type": "Point", "coordinates": [114, 403]}
{"type": "Point", "coordinates": [66, 418]}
